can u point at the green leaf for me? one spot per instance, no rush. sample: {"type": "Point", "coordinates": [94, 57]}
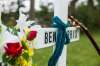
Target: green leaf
{"type": "Point", "coordinates": [26, 56]}
{"type": "Point", "coordinates": [24, 44]}
{"type": "Point", "coordinates": [12, 61]}
{"type": "Point", "coordinates": [5, 58]}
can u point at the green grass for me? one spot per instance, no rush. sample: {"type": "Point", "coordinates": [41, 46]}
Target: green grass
{"type": "Point", "coordinates": [80, 53]}
{"type": "Point", "coordinates": [42, 56]}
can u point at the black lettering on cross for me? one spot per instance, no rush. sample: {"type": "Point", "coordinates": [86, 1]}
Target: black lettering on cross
{"type": "Point", "coordinates": [46, 38]}
{"type": "Point", "coordinates": [54, 36]}
{"type": "Point", "coordinates": [50, 37]}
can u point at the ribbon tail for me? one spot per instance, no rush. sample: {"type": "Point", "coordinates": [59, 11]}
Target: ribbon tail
{"type": "Point", "coordinates": [58, 50]}
{"type": "Point", "coordinates": [61, 38]}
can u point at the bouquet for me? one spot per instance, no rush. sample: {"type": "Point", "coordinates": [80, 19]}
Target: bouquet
{"type": "Point", "coordinates": [20, 53]}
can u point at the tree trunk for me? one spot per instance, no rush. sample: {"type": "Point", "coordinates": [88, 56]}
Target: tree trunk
{"type": "Point", "coordinates": [91, 3]}
{"type": "Point", "coordinates": [32, 10]}
{"type": "Point", "coordinates": [72, 7]}
{"type": "Point", "coordinates": [98, 3]}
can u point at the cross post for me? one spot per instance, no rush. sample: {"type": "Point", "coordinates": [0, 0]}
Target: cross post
{"type": "Point", "coordinates": [61, 10]}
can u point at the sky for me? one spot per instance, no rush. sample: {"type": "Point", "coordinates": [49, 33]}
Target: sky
{"type": "Point", "coordinates": [37, 3]}
{"type": "Point", "coordinates": [45, 2]}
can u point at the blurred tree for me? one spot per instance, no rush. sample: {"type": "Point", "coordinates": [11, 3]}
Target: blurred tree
{"type": "Point", "coordinates": [32, 10]}
{"type": "Point", "coordinates": [98, 4]}
{"type": "Point", "coordinates": [89, 16]}
{"type": "Point", "coordinates": [72, 7]}
{"type": "Point", "coordinates": [9, 19]}
{"type": "Point", "coordinates": [98, 1]}
{"type": "Point", "coordinates": [96, 10]}
{"type": "Point", "coordinates": [44, 16]}
{"type": "Point", "coordinates": [91, 3]}
{"type": "Point", "coordinates": [98, 15]}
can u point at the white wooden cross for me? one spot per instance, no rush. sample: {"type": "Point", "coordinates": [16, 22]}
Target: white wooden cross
{"type": "Point", "coordinates": [46, 36]}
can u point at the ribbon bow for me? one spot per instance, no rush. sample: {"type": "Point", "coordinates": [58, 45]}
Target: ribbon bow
{"type": "Point", "coordinates": [61, 39]}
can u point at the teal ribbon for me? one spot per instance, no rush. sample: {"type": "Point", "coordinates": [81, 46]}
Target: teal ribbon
{"type": "Point", "coordinates": [61, 39]}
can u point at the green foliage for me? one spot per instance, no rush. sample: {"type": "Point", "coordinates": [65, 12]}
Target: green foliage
{"type": "Point", "coordinates": [26, 56]}
{"type": "Point", "coordinates": [98, 3]}
{"type": "Point", "coordinates": [13, 30]}
{"type": "Point", "coordinates": [44, 15]}
{"type": "Point", "coordinates": [12, 61]}
{"type": "Point", "coordinates": [5, 59]}
{"type": "Point", "coordinates": [10, 19]}
{"type": "Point", "coordinates": [89, 16]}
{"type": "Point", "coordinates": [24, 44]}
{"type": "Point", "coordinates": [8, 60]}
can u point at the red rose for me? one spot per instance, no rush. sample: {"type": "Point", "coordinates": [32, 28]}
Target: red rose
{"type": "Point", "coordinates": [13, 49]}
{"type": "Point", "coordinates": [31, 35]}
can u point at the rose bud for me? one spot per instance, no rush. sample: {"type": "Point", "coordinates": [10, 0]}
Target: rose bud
{"type": "Point", "coordinates": [31, 35]}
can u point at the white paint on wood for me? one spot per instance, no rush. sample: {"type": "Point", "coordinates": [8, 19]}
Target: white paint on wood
{"type": "Point", "coordinates": [48, 34]}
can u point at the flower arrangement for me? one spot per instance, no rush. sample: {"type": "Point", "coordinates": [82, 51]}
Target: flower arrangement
{"type": "Point", "coordinates": [20, 53]}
